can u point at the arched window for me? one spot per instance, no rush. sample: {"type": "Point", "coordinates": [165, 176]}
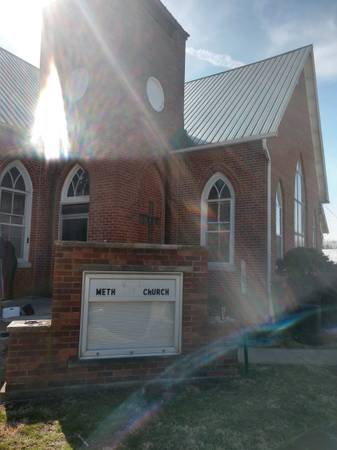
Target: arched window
{"type": "Point", "coordinates": [16, 208]}
{"type": "Point", "coordinates": [279, 222]}
{"type": "Point", "coordinates": [217, 220]}
{"type": "Point", "coordinates": [75, 206]}
{"type": "Point", "coordinates": [299, 207]}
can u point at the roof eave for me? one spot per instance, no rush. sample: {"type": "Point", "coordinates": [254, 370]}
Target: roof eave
{"type": "Point", "coordinates": [213, 145]}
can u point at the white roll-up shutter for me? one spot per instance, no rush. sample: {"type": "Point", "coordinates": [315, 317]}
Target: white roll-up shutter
{"type": "Point", "coordinates": [138, 315]}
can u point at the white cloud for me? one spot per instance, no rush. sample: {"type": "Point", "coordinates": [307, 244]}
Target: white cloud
{"type": "Point", "coordinates": [216, 59]}
{"type": "Point", "coordinates": [326, 60]}
{"type": "Point", "coordinates": [20, 28]}
{"type": "Point", "coordinates": [322, 34]}
{"type": "Point", "coordinates": [287, 33]}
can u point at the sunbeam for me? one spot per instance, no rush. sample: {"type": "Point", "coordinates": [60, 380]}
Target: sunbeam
{"type": "Point", "coordinates": [50, 132]}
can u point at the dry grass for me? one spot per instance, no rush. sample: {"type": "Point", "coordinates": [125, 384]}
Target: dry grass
{"type": "Point", "coordinates": [263, 411]}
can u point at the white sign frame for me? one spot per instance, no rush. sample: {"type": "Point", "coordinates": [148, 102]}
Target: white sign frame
{"type": "Point", "coordinates": [85, 354]}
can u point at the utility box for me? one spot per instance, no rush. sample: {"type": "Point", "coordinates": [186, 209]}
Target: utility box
{"type": "Point", "coordinates": [9, 312]}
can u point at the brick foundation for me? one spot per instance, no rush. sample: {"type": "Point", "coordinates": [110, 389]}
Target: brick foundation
{"type": "Point", "coordinates": [44, 355]}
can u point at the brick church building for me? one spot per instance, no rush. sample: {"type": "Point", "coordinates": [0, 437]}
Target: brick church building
{"type": "Point", "coordinates": [232, 162]}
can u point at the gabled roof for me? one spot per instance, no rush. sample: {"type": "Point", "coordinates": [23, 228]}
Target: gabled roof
{"type": "Point", "coordinates": [244, 102]}
{"type": "Point", "coordinates": [19, 88]}
{"type": "Point", "coordinates": [248, 103]}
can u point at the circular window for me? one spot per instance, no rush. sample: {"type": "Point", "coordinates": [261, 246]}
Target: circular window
{"type": "Point", "coordinates": [155, 94]}
{"type": "Point", "coordinates": [77, 84]}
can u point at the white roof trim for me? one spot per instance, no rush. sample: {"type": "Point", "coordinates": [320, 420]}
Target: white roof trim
{"type": "Point", "coordinates": [223, 144]}
{"type": "Point", "coordinates": [315, 123]}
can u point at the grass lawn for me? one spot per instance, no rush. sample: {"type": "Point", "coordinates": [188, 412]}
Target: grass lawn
{"type": "Point", "coordinates": [263, 411]}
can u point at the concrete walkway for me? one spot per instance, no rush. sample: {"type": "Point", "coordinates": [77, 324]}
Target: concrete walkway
{"type": "Point", "coordinates": [317, 356]}
{"type": "Point", "coordinates": [321, 439]}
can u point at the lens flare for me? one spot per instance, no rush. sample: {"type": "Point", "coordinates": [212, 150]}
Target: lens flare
{"type": "Point", "coordinates": [50, 132]}
{"type": "Point", "coordinates": [136, 412]}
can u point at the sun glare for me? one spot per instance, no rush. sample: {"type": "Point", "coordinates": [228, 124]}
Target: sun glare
{"type": "Point", "coordinates": [50, 131]}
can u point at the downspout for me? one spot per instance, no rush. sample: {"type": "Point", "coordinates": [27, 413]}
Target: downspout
{"type": "Point", "coordinates": [269, 267]}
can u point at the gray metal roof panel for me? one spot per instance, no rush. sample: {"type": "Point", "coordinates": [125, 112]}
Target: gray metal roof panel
{"type": "Point", "coordinates": [19, 88]}
{"type": "Point", "coordinates": [244, 102]}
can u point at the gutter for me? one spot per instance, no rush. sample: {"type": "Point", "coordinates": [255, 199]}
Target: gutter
{"type": "Point", "coordinates": [199, 147]}
{"type": "Point", "coordinates": [269, 268]}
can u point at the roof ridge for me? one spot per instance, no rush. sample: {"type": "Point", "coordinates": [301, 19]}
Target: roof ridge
{"type": "Point", "coordinates": [249, 64]}
{"type": "Point", "coordinates": [172, 17]}
{"type": "Point", "coordinates": [19, 58]}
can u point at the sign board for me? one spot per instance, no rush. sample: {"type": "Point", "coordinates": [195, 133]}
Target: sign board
{"type": "Point", "coordinates": [128, 314]}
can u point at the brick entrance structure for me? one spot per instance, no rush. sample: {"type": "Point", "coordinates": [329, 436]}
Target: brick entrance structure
{"type": "Point", "coordinates": [44, 354]}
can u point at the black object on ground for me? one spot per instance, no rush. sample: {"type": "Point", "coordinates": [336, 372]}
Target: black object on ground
{"type": "Point", "coordinates": [28, 310]}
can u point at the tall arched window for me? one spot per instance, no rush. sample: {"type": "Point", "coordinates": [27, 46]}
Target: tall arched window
{"type": "Point", "coordinates": [16, 208]}
{"type": "Point", "coordinates": [217, 220]}
{"type": "Point", "coordinates": [75, 206]}
{"type": "Point", "coordinates": [299, 207]}
{"type": "Point", "coordinates": [279, 222]}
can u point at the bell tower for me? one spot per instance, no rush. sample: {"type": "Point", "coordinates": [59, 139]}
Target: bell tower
{"type": "Point", "coordinates": [121, 65]}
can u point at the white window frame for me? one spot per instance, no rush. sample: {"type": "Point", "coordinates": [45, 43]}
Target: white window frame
{"type": "Point", "coordinates": [65, 200]}
{"type": "Point", "coordinates": [279, 206]}
{"type": "Point", "coordinates": [300, 207]}
{"type": "Point", "coordinates": [64, 195]}
{"type": "Point", "coordinates": [23, 261]}
{"type": "Point", "coordinates": [85, 354]}
{"type": "Point", "coordinates": [228, 266]}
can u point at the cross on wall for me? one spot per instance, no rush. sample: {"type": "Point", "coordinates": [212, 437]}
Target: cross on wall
{"type": "Point", "coordinates": [150, 220]}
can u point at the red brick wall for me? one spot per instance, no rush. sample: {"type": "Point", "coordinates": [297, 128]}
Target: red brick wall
{"type": "Point", "coordinates": [245, 166]}
{"type": "Point", "coordinates": [292, 144]}
{"type": "Point", "coordinates": [36, 278]}
{"type": "Point", "coordinates": [119, 192]}
{"type": "Point", "coordinates": [121, 46]}
{"type": "Point", "coordinates": [46, 357]}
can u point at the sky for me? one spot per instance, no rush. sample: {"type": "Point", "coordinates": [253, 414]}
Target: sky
{"type": "Point", "coordinates": [223, 35]}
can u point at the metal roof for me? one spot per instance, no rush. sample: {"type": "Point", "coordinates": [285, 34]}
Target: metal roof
{"type": "Point", "coordinates": [19, 88]}
{"type": "Point", "coordinates": [242, 103]}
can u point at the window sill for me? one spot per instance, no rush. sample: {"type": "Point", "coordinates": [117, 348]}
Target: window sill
{"type": "Point", "coordinates": [24, 265]}
{"type": "Point", "coordinates": [221, 267]}
{"type": "Point", "coordinates": [80, 361]}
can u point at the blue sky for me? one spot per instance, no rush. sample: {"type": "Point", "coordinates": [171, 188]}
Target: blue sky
{"type": "Point", "coordinates": [224, 33]}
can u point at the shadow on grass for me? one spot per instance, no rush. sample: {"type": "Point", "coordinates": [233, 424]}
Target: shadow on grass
{"type": "Point", "coordinates": [103, 418]}
{"type": "Point", "coordinates": [75, 416]}
{"type": "Point", "coordinates": [263, 411]}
